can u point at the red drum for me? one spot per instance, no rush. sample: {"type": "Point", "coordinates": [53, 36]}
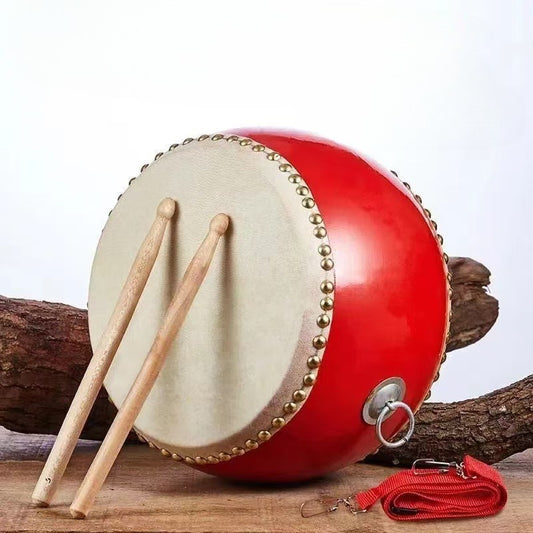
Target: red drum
{"type": "Point", "coordinates": [323, 320]}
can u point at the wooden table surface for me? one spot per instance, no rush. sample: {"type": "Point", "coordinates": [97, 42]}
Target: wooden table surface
{"type": "Point", "coordinates": [147, 492]}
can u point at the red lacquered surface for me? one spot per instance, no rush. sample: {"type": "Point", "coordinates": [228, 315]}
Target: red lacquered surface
{"type": "Point", "coordinates": [389, 318]}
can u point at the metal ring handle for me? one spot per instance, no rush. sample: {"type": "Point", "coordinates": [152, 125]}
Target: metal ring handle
{"type": "Point", "coordinates": [392, 406]}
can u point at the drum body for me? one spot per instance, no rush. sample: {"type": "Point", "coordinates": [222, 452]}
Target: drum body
{"type": "Point", "coordinates": [378, 308]}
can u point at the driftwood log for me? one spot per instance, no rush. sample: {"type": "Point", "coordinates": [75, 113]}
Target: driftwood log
{"type": "Point", "coordinates": [44, 349]}
{"type": "Point", "coordinates": [490, 428]}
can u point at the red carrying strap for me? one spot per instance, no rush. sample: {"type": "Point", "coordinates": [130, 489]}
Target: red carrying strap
{"type": "Point", "coordinates": [476, 489]}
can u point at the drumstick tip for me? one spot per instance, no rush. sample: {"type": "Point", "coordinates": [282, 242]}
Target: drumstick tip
{"type": "Point", "coordinates": [77, 514]}
{"type": "Point", "coordinates": [166, 208]}
{"type": "Point", "coordinates": [39, 503]}
{"type": "Point", "coordinates": [219, 224]}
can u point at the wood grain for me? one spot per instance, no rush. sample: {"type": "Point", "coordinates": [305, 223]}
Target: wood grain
{"type": "Point", "coordinates": [474, 310]}
{"type": "Point", "coordinates": [45, 347]}
{"type": "Point", "coordinates": [491, 427]}
{"type": "Point", "coordinates": [147, 493]}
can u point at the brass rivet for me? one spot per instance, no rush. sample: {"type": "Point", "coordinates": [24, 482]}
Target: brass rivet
{"type": "Point", "coordinates": [450, 294]}
{"type": "Point", "coordinates": [327, 263]}
{"type": "Point", "coordinates": [309, 380]}
{"type": "Point", "coordinates": [251, 444]}
{"type": "Point", "coordinates": [441, 240]}
{"type": "Point", "coordinates": [217, 137]}
{"type": "Point", "coordinates": [278, 422]}
{"type": "Point", "coordinates": [324, 249]}
{"type": "Point", "coordinates": [434, 224]}
{"type": "Point", "coordinates": [298, 395]}
{"type": "Point", "coordinates": [428, 396]}
{"type": "Point", "coordinates": [176, 457]}
{"type": "Point", "coordinates": [188, 140]}
{"type": "Point", "coordinates": [245, 142]}
{"type": "Point", "coordinates": [200, 460]}
{"type": "Point", "coordinates": [313, 361]}
{"type": "Point", "coordinates": [418, 198]}
{"type": "Point", "coordinates": [264, 435]}
{"type": "Point", "coordinates": [173, 146]}
{"type": "Point", "coordinates": [394, 172]}
{"type": "Point", "coordinates": [326, 303]}
{"type": "Point", "coordinates": [189, 460]}
{"type": "Point", "coordinates": [407, 185]}
{"type": "Point", "coordinates": [289, 407]}
{"type": "Point", "coordinates": [152, 445]}
{"type": "Point", "coordinates": [320, 232]}
{"type": "Point", "coordinates": [302, 190]}
{"type": "Point", "coordinates": [322, 321]}
{"type": "Point", "coordinates": [157, 156]}
{"type": "Point", "coordinates": [315, 218]}
{"type": "Point", "coordinates": [285, 167]}
{"type": "Point", "coordinates": [144, 167]}
{"type": "Point", "coordinates": [449, 276]}
{"type": "Point", "coordinates": [258, 148]}
{"type": "Point", "coordinates": [166, 453]}
{"type": "Point", "coordinates": [213, 460]}
{"type": "Point", "coordinates": [327, 287]}
{"type": "Point", "coordinates": [273, 156]}
{"type": "Point", "coordinates": [203, 137]}
{"type": "Point", "coordinates": [232, 138]}
{"type": "Point", "coordinates": [223, 456]}
{"type": "Point", "coordinates": [295, 178]}
{"type": "Point", "coordinates": [437, 376]}
{"type": "Point", "coordinates": [308, 203]}
{"type": "Point", "coordinates": [445, 257]}
{"type": "Point", "coordinates": [319, 342]}
{"type": "Point", "coordinates": [443, 358]}
{"type": "Point", "coordinates": [238, 451]}
{"type": "Point", "coordinates": [131, 181]}
{"type": "Point", "coordinates": [427, 212]}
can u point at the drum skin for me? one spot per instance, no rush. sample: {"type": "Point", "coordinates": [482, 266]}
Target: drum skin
{"type": "Point", "coordinates": [390, 318]}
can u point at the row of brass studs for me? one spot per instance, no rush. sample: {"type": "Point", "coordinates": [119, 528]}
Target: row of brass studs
{"type": "Point", "coordinates": [445, 258]}
{"type": "Point", "coordinates": [323, 320]}
{"type": "Point", "coordinates": [327, 287]}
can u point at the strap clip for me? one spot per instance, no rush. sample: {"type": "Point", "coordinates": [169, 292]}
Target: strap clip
{"type": "Point", "coordinates": [417, 468]}
{"type": "Point", "coordinates": [328, 505]}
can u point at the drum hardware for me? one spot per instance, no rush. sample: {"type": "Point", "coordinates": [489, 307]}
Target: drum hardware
{"type": "Point", "coordinates": [391, 389]}
{"type": "Point", "coordinates": [391, 407]}
{"type": "Point", "coordinates": [132, 405]}
{"type": "Point", "coordinates": [381, 403]}
{"type": "Point", "coordinates": [103, 356]}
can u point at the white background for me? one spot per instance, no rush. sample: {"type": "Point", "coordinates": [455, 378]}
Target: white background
{"type": "Point", "coordinates": [440, 91]}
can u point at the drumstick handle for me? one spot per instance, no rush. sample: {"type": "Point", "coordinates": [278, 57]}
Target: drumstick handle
{"type": "Point", "coordinates": [103, 356]}
{"type": "Point", "coordinates": [130, 409]}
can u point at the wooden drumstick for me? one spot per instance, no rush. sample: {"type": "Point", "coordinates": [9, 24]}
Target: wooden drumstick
{"type": "Point", "coordinates": [130, 409]}
{"type": "Point", "coordinates": [103, 356]}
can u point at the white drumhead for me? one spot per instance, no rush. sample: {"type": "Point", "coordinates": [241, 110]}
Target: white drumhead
{"type": "Point", "coordinates": [244, 347]}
